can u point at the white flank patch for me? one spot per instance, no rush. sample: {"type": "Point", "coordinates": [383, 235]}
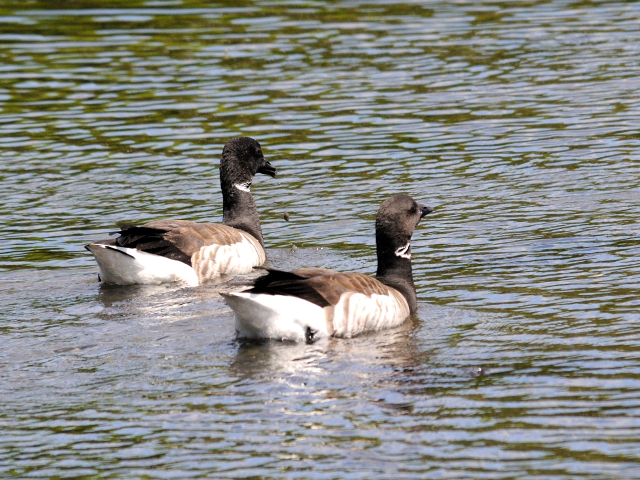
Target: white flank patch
{"type": "Point", "coordinates": [278, 317]}
{"type": "Point", "coordinates": [403, 252]}
{"type": "Point", "coordinates": [356, 313]}
{"type": "Point", "coordinates": [128, 266]}
{"type": "Point", "coordinates": [218, 263]}
{"type": "Point", "coordinates": [244, 187]}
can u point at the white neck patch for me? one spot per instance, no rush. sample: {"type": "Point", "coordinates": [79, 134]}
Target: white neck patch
{"type": "Point", "coordinates": [403, 252]}
{"type": "Point", "coordinates": [243, 187]}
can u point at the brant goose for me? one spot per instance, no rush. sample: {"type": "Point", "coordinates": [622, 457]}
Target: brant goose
{"type": "Point", "coordinates": [311, 303]}
{"type": "Point", "coordinates": [195, 253]}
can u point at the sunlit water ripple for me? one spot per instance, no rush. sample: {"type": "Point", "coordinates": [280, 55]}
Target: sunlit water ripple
{"type": "Point", "coordinates": [518, 121]}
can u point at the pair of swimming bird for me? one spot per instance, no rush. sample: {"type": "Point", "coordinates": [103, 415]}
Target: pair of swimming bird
{"type": "Point", "coordinates": [304, 304]}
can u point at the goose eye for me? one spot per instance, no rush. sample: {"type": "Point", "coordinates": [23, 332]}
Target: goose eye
{"type": "Point", "coordinates": [412, 210]}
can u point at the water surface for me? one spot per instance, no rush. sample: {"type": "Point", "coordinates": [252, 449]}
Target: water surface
{"type": "Point", "coordinates": [518, 121]}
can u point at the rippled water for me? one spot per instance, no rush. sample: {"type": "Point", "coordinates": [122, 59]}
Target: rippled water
{"type": "Point", "coordinates": [519, 121]}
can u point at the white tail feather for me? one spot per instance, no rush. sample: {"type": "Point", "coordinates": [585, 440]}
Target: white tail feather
{"type": "Point", "coordinates": [128, 266]}
{"type": "Point", "coordinates": [276, 316]}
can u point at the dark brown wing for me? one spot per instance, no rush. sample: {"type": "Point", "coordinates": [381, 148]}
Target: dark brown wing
{"type": "Point", "coordinates": [331, 287]}
{"type": "Point", "coordinates": [177, 239]}
{"type": "Point", "coordinates": [320, 286]}
{"type": "Point", "coordinates": [313, 272]}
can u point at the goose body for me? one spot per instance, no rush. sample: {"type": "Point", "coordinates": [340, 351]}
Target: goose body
{"type": "Point", "coordinates": [192, 252]}
{"type": "Point", "coordinates": [311, 303]}
{"type": "Point", "coordinates": [357, 303]}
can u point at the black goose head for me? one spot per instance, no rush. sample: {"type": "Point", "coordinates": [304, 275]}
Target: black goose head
{"type": "Point", "coordinates": [397, 218]}
{"type": "Point", "coordinates": [241, 159]}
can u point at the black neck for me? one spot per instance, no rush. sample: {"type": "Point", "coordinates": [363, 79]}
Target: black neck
{"type": "Point", "coordinates": [395, 271]}
{"type": "Point", "coordinates": [238, 208]}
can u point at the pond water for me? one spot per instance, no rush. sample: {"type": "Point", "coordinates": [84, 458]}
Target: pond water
{"type": "Point", "coordinates": [518, 121]}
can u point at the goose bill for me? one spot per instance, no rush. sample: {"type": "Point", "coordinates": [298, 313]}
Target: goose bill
{"type": "Point", "coordinates": [268, 169]}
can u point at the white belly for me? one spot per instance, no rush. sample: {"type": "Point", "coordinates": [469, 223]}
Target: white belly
{"type": "Point", "coordinates": [219, 263]}
{"type": "Point", "coordinates": [357, 313]}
